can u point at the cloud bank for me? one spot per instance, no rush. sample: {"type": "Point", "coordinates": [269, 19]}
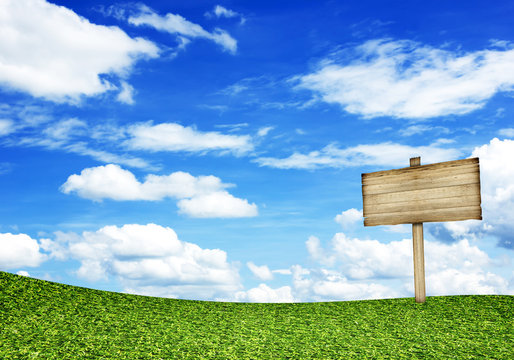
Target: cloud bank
{"type": "Point", "coordinates": [148, 260]}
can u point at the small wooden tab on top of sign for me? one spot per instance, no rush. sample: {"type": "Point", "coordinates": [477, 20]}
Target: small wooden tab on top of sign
{"type": "Point", "coordinates": [446, 191]}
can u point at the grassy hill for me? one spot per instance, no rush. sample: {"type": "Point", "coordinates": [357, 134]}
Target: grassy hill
{"type": "Point", "coordinates": [41, 319]}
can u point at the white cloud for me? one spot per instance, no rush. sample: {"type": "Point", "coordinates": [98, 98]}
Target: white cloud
{"type": "Point", "coordinates": [349, 217]}
{"type": "Point", "coordinates": [151, 260]}
{"type": "Point", "coordinates": [419, 129]}
{"type": "Point", "coordinates": [328, 285]}
{"type": "Point", "coordinates": [19, 250]}
{"type": "Point", "coordinates": [176, 24]}
{"type": "Point", "coordinates": [261, 272]}
{"type": "Point", "coordinates": [264, 130]}
{"type": "Point", "coordinates": [383, 154]}
{"type": "Point", "coordinates": [53, 53]}
{"type": "Point", "coordinates": [220, 11]}
{"type": "Point", "coordinates": [22, 273]}
{"type": "Point", "coordinates": [405, 79]}
{"type": "Point", "coordinates": [64, 130]}
{"type": "Point", "coordinates": [264, 294]}
{"type": "Point", "coordinates": [218, 204]}
{"type": "Point", "coordinates": [497, 188]}
{"type": "Point", "coordinates": [353, 261]}
{"type": "Point", "coordinates": [202, 196]}
{"type": "Point", "coordinates": [175, 137]}
{"type": "Point", "coordinates": [126, 95]}
{"type": "Point", "coordinates": [6, 127]}
{"type": "Point", "coordinates": [507, 132]}
{"type": "Point", "coordinates": [456, 282]}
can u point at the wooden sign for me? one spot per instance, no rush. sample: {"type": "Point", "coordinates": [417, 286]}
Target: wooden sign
{"type": "Point", "coordinates": [446, 191]}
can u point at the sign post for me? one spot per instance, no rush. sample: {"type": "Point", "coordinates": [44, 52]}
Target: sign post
{"type": "Point", "coordinates": [447, 191]}
{"type": "Point", "coordinates": [418, 252]}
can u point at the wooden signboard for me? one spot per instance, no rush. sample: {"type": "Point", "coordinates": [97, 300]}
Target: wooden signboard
{"type": "Point", "coordinates": [447, 191]}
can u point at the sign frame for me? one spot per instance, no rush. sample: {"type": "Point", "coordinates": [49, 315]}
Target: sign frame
{"type": "Point", "coordinates": [446, 191]}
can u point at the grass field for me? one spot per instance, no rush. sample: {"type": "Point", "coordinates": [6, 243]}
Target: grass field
{"type": "Point", "coordinates": [41, 319]}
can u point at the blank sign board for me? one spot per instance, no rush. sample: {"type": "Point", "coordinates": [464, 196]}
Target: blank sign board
{"type": "Point", "coordinates": [447, 191]}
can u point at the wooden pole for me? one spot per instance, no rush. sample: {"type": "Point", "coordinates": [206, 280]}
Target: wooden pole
{"type": "Point", "coordinates": [418, 250]}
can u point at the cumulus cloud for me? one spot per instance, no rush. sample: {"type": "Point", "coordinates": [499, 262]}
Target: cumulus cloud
{"type": "Point", "coordinates": [178, 25]}
{"type": "Point", "coordinates": [497, 187]}
{"type": "Point", "coordinates": [264, 294]}
{"type": "Point", "coordinates": [19, 250]}
{"type": "Point", "coordinates": [406, 79]}
{"type": "Point", "coordinates": [497, 193]}
{"type": "Point", "coordinates": [329, 285]}
{"type": "Point", "coordinates": [349, 217]}
{"type": "Point", "coordinates": [351, 265]}
{"type": "Point", "coordinates": [219, 204]}
{"type": "Point", "coordinates": [175, 137]}
{"type": "Point", "coordinates": [150, 260]}
{"type": "Point", "coordinates": [202, 196]}
{"type": "Point", "coordinates": [53, 53]}
{"type": "Point", "coordinates": [261, 272]}
{"type": "Point", "coordinates": [383, 154]}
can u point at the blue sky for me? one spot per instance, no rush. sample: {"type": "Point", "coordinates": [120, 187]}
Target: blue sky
{"type": "Point", "coordinates": [214, 150]}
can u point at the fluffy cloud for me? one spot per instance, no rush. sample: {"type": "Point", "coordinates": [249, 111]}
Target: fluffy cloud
{"type": "Point", "coordinates": [202, 196]}
{"type": "Point", "coordinates": [329, 285]}
{"type": "Point", "coordinates": [151, 260]}
{"type": "Point", "coordinates": [497, 191]}
{"type": "Point", "coordinates": [53, 53]}
{"type": "Point", "coordinates": [19, 250]}
{"type": "Point", "coordinates": [176, 24]}
{"type": "Point", "coordinates": [383, 154]}
{"type": "Point", "coordinates": [451, 269]}
{"type": "Point", "coordinates": [175, 137]}
{"type": "Point", "coordinates": [349, 217]}
{"type": "Point", "coordinates": [217, 204]}
{"type": "Point", "coordinates": [405, 79]}
{"type": "Point", "coordinates": [261, 272]}
{"type": "Point", "coordinates": [497, 187]}
{"type": "Point", "coordinates": [264, 294]}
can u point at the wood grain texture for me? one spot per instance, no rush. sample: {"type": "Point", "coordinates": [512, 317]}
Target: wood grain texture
{"type": "Point", "coordinates": [447, 191]}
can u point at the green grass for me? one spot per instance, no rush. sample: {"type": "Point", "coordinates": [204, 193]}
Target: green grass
{"type": "Point", "coordinates": [40, 319]}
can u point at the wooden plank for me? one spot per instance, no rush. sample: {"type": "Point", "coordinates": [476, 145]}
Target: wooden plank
{"type": "Point", "coordinates": [422, 183]}
{"type": "Point", "coordinates": [423, 204]}
{"type": "Point", "coordinates": [416, 172]}
{"type": "Point", "coordinates": [418, 195]}
{"type": "Point", "coordinates": [452, 214]}
{"type": "Point", "coordinates": [422, 169]}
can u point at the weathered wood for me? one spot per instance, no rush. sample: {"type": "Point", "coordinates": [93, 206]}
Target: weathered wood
{"type": "Point", "coordinates": [440, 215]}
{"type": "Point", "coordinates": [421, 172]}
{"type": "Point", "coordinates": [418, 253]}
{"type": "Point", "coordinates": [419, 262]}
{"type": "Point", "coordinates": [422, 183]}
{"type": "Point", "coordinates": [447, 191]}
{"type": "Point", "coordinates": [464, 165]}
{"type": "Point", "coordinates": [423, 204]}
{"type": "Point", "coordinates": [417, 195]}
